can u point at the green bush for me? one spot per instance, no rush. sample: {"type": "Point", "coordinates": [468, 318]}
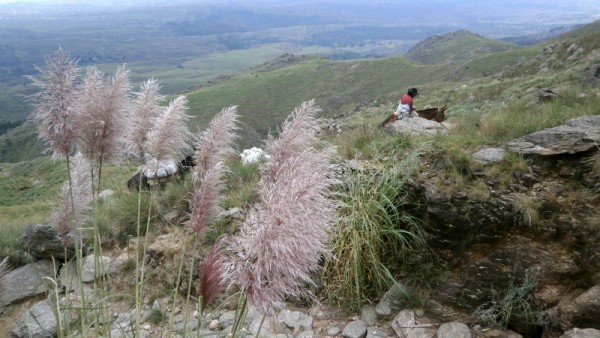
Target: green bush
{"type": "Point", "coordinates": [376, 237]}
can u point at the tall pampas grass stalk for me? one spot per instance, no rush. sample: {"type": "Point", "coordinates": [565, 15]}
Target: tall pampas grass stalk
{"type": "Point", "coordinates": [102, 120]}
{"type": "Point", "coordinates": [70, 215]}
{"type": "Point", "coordinates": [212, 147]}
{"type": "Point", "coordinates": [284, 237]}
{"type": "Point", "coordinates": [146, 107]}
{"type": "Point", "coordinates": [55, 116]}
{"type": "Point", "coordinates": [168, 140]}
{"type": "Point", "coordinates": [54, 112]}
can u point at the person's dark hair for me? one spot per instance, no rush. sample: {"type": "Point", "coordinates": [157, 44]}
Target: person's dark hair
{"type": "Point", "coordinates": [413, 92]}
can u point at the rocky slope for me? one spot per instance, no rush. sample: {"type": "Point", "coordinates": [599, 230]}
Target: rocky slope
{"type": "Point", "coordinates": [490, 248]}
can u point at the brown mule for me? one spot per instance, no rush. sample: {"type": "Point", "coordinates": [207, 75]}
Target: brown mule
{"type": "Point", "coordinates": [435, 114]}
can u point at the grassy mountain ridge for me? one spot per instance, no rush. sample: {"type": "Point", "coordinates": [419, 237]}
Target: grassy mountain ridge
{"type": "Point", "coordinates": [266, 94]}
{"type": "Point", "coordinates": [455, 46]}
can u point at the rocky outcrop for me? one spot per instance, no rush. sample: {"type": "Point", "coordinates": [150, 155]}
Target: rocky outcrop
{"type": "Point", "coordinates": [543, 224]}
{"type": "Point", "coordinates": [576, 136]}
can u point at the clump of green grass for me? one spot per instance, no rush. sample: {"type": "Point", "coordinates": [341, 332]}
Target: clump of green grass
{"type": "Point", "coordinates": [363, 139]}
{"type": "Point", "coordinates": [118, 216]}
{"type": "Point", "coordinates": [241, 180]}
{"type": "Point", "coordinates": [376, 235]}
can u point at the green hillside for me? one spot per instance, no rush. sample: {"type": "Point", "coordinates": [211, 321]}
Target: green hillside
{"type": "Point", "coordinates": [455, 46]}
{"type": "Point", "coordinates": [467, 82]}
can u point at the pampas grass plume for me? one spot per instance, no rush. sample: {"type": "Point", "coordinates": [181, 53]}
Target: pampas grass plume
{"type": "Point", "coordinates": [213, 145]}
{"type": "Point", "coordinates": [54, 102]}
{"type": "Point", "coordinates": [282, 240]}
{"type": "Point", "coordinates": [216, 142]}
{"type": "Point", "coordinates": [146, 107]}
{"type": "Point", "coordinates": [169, 137]}
{"type": "Point", "coordinates": [210, 279]}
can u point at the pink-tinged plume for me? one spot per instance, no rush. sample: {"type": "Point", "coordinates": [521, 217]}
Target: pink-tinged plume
{"type": "Point", "coordinates": [169, 137]}
{"type": "Point", "coordinates": [210, 280]}
{"type": "Point", "coordinates": [283, 238]}
{"type": "Point", "coordinates": [216, 142]}
{"type": "Point", "coordinates": [102, 114]}
{"type": "Point", "coordinates": [213, 145]}
{"type": "Point", "coordinates": [146, 107]}
{"type": "Point", "coordinates": [54, 103]}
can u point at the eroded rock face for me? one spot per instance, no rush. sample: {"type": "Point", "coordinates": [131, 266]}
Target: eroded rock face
{"type": "Point", "coordinates": [543, 222]}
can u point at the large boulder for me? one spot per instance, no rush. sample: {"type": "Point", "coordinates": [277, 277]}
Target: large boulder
{"type": "Point", "coordinates": [26, 281]}
{"type": "Point", "coordinates": [42, 242]}
{"type": "Point", "coordinates": [418, 125]}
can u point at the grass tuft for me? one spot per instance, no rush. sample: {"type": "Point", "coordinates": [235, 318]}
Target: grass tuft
{"type": "Point", "coordinates": [375, 236]}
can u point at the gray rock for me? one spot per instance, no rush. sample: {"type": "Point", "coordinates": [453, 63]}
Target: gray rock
{"type": "Point", "coordinates": [226, 318]}
{"type": "Point", "coordinates": [489, 155]}
{"type": "Point", "coordinates": [375, 332]}
{"type": "Point", "coordinates": [41, 241]}
{"type": "Point", "coordinates": [26, 281]}
{"type": "Point", "coordinates": [583, 310]}
{"type": "Point", "coordinates": [296, 319]}
{"type": "Point", "coordinates": [405, 326]}
{"type": "Point", "coordinates": [384, 307]}
{"type": "Point", "coordinates": [581, 333]}
{"type": "Point", "coordinates": [577, 135]}
{"type": "Point", "coordinates": [125, 321]}
{"type": "Point", "coordinates": [453, 330]}
{"type": "Point", "coordinates": [182, 325]}
{"type": "Point", "coordinates": [333, 331]}
{"type": "Point", "coordinates": [496, 333]}
{"type": "Point", "coordinates": [369, 315]}
{"type": "Point", "coordinates": [417, 125]}
{"type": "Point", "coordinates": [38, 322]}
{"type": "Point", "coordinates": [355, 329]}
{"type": "Point", "coordinates": [307, 334]}
{"type": "Point", "coordinates": [264, 326]}
{"type": "Point", "coordinates": [204, 334]}
{"type": "Point", "coordinates": [90, 270]}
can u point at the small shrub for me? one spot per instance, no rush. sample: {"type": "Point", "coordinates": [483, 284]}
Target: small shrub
{"type": "Point", "coordinates": [129, 265]}
{"type": "Point", "coordinates": [512, 304]}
